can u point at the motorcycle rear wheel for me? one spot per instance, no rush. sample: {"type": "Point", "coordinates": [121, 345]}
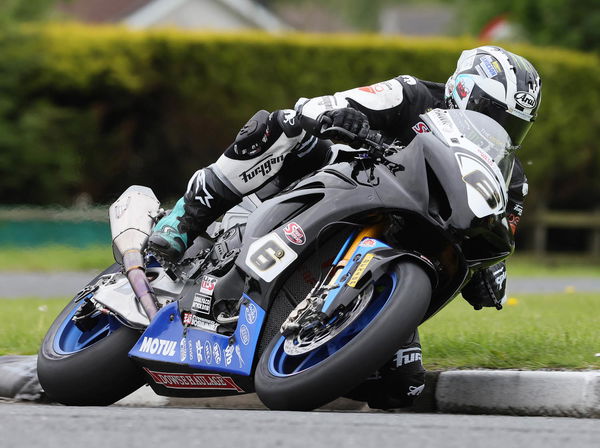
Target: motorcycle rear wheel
{"type": "Point", "coordinates": [88, 368]}
{"type": "Point", "coordinates": [287, 382]}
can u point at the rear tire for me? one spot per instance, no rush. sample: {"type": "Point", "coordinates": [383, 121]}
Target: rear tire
{"type": "Point", "coordinates": [98, 374]}
{"type": "Point", "coordinates": [354, 362]}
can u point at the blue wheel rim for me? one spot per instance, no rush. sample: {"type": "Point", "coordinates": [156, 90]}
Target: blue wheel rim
{"type": "Point", "coordinates": [71, 339]}
{"type": "Point", "coordinates": [283, 365]}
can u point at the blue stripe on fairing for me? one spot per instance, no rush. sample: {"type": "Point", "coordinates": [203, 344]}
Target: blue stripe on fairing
{"type": "Point", "coordinates": [360, 250]}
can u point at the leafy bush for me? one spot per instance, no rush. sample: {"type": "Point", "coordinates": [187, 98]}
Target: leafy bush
{"type": "Point", "coordinates": [94, 109]}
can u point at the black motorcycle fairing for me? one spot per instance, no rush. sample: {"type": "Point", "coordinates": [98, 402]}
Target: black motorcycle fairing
{"type": "Point", "coordinates": [483, 240]}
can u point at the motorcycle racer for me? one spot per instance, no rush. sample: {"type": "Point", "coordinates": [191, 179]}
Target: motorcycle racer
{"type": "Point", "coordinates": [274, 149]}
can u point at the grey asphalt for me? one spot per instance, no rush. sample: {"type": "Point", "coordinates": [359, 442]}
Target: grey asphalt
{"type": "Point", "coordinates": [24, 425]}
{"type": "Point", "coordinates": [60, 284]}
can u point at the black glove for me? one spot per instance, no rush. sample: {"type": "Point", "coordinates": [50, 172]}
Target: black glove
{"type": "Point", "coordinates": [350, 119]}
{"type": "Point", "coordinates": [487, 287]}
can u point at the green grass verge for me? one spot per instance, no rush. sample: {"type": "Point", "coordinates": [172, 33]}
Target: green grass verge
{"type": "Point", "coordinates": [63, 258]}
{"type": "Point", "coordinates": [533, 331]}
{"type": "Point", "coordinates": [56, 258]}
{"type": "Point", "coordinates": [24, 322]}
{"type": "Point", "coordinates": [554, 331]}
{"type": "Point", "coordinates": [563, 265]}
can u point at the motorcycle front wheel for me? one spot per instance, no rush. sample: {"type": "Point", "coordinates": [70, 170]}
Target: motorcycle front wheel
{"type": "Point", "coordinates": [308, 379]}
{"type": "Point", "coordinates": [88, 366]}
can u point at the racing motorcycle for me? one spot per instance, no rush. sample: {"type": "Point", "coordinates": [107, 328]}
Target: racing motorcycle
{"type": "Point", "coordinates": [298, 298]}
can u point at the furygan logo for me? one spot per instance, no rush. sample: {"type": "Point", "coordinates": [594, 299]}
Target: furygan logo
{"type": "Point", "coordinates": [263, 167]}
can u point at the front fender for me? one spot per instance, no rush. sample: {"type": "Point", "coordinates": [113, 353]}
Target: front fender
{"type": "Point", "coordinates": [367, 264]}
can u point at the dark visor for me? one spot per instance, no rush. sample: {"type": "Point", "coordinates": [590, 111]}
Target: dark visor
{"type": "Point", "coordinates": [516, 127]}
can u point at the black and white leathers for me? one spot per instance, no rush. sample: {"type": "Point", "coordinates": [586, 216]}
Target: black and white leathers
{"type": "Point", "coordinates": [282, 146]}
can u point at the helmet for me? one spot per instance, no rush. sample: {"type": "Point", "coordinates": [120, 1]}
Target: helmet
{"type": "Point", "coordinates": [499, 84]}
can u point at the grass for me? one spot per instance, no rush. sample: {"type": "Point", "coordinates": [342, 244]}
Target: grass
{"type": "Point", "coordinates": [56, 258]}
{"type": "Point", "coordinates": [24, 322]}
{"type": "Point", "coordinates": [561, 265]}
{"type": "Point", "coordinates": [552, 331]}
{"type": "Point", "coordinates": [533, 331]}
{"type": "Point", "coordinates": [63, 258]}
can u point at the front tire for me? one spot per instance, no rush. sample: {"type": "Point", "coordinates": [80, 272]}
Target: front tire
{"type": "Point", "coordinates": [305, 388]}
{"type": "Point", "coordinates": [88, 368]}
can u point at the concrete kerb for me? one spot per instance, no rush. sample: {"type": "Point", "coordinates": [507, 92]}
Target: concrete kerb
{"type": "Point", "coordinates": [510, 392]}
{"type": "Point", "coordinates": [572, 394]}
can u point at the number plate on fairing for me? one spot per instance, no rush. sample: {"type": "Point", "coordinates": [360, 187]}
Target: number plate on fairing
{"type": "Point", "coordinates": [269, 256]}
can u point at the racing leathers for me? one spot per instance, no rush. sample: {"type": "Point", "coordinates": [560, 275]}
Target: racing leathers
{"type": "Point", "coordinates": [274, 149]}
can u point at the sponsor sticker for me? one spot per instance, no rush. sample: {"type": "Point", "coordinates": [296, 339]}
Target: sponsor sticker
{"type": "Point", "coordinates": [244, 334]}
{"type": "Point", "coordinates": [217, 354]}
{"type": "Point", "coordinates": [208, 381]}
{"type": "Point", "coordinates": [421, 128]}
{"type": "Point", "coordinates": [208, 352]}
{"type": "Point", "coordinates": [199, 351]}
{"type": "Point", "coordinates": [294, 233]}
{"type": "Point", "coordinates": [251, 313]}
{"type": "Point", "coordinates": [202, 304]}
{"type": "Point", "coordinates": [191, 350]}
{"type": "Point", "coordinates": [368, 242]}
{"type": "Point", "coordinates": [192, 320]}
{"type": "Point", "coordinates": [238, 352]}
{"type": "Point", "coordinates": [182, 350]}
{"type": "Point", "coordinates": [359, 271]}
{"type": "Point", "coordinates": [229, 354]}
{"type": "Point", "coordinates": [207, 286]}
{"type": "Point", "coordinates": [156, 346]}
{"type": "Point", "coordinates": [487, 67]}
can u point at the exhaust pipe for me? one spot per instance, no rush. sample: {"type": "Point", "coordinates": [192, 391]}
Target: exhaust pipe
{"type": "Point", "coordinates": [130, 224]}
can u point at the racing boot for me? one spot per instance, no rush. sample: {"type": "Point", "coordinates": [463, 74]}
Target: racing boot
{"type": "Point", "coordinates": [398, 382]}
{"type": "Point", "coordinates": [168, 240]}
{"type": "Point", "coordinates": [206, 199]}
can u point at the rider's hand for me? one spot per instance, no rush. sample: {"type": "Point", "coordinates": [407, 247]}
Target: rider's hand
{"type": "Point", "coordinates": [352, 120]}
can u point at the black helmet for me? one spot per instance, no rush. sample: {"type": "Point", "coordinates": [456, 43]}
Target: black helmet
{"type": "Point", "coordinates": [499, 84]}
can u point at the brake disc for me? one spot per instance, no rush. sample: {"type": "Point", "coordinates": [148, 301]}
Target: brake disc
{"type": "Point", "coordinates": [306, 340]}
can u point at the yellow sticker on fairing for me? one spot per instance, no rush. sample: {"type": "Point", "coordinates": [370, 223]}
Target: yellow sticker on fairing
{"type": "Point", "coordinates": [359, 271]}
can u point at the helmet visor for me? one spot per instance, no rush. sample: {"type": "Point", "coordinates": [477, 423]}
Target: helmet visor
{"type": "Point", "coordinates": [517, 128]}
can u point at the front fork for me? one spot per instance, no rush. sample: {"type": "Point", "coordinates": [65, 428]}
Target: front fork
{"type": "Point", "coordinates": [345, 255]}
{"type": "Point", "coordinates": [313, 307]}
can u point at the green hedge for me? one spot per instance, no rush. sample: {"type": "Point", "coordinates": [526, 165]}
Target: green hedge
{"type": "Point", "coordinates": [92, 110]}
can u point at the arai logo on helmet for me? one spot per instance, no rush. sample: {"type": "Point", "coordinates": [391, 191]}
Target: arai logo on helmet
{"type": "Point", "coordinates": [525, 99]}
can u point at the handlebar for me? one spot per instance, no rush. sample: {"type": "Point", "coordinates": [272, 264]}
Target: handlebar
{"type": "Point", "coordinates": [372, 140]}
